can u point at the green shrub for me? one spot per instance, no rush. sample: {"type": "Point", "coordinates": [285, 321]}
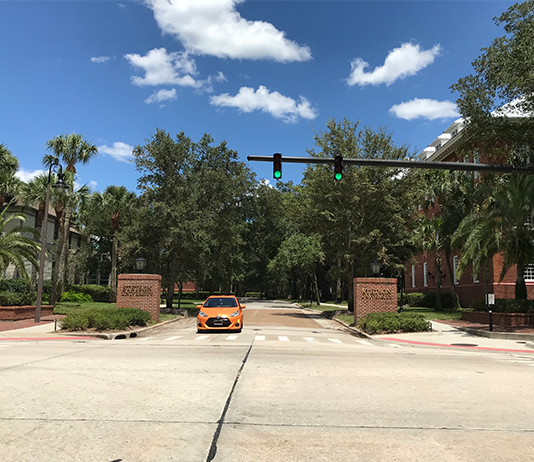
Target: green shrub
{"type": "Point", "coordinates": [96, 292]}
{"type": "Point", "coordinates": [412, 298]}
{"type": "Point", "coordinates": [429, 300]}
{"type": "Point", "coordinates": [17, 299]}
{"type": "Point", "coordinates": [104, 318]}
{"type": "Point", "coordinates": [385, 323]}
{"type": "Point", "coordinates": [72, 296]}
{"type": "Point", "coordinates": [513, 306]}
{"type": "Point", "coordinates": [14, 285]}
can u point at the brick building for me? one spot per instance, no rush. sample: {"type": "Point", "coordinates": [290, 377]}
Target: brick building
{"type": "Point", "coordinates": [420, 276]}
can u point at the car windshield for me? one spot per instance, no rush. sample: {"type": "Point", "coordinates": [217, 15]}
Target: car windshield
{"type": "Point", "coordinates": [220, 302]}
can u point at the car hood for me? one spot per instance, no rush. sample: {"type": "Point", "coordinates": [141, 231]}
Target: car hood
{"type": "Point", "coordinates": [214, 312]}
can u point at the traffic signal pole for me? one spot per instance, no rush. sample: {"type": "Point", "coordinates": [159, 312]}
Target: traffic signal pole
{"type": "Point", "coordinates": [463, 166]}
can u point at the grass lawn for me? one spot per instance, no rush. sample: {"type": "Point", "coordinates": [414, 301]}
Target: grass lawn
{"type": "Point", "coordinates": [434, 315]}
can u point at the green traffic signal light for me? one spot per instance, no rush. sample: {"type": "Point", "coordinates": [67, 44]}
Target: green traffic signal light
{"type": "Point", "coordinates": [338, 168]}
{"type": "Point", "coordinates": [277, 166]}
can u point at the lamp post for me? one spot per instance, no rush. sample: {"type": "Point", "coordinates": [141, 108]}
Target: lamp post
{"type": "Point", "coordinates": [140, 264]}
{"type": "Point", "coordinates": [59, 186]}
{"type": "Point", "coordinates": [375, 268]}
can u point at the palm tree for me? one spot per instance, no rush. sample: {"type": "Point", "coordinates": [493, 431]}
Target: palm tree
{"type": "Point", "coordinates": [14, 247]}
{"type": "Point", "coordinates": [117, 200]}
{"type": "Point", "coordinates": [9, 183]}
{"type": "Point", "coordinates": [428, 236]}
{"type": "Point", "coordinates": [72, 149]}
{"type": "Point", "coordinates": [503, 225]}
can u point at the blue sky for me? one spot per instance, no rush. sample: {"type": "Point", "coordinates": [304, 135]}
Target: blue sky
{"type": "Point", "coordinates": [264, 75]}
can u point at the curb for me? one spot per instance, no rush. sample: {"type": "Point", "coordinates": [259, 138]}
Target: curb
{"type": "Point", "coordinates": [126, 334]}
{"type": "Point", "coordinates": [499, 335]}
{"type": "Point", "coordinates": [351, 329]}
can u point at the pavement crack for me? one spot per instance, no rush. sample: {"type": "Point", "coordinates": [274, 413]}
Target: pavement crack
{"type": "Point", "coordinates": [213, 448]}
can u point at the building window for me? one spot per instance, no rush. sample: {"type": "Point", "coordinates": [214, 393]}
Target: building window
{"type": "Point", "coordinates": [425, 274]}
{"type": "Point", "coordinates": [529, 272]}
{"type": "Point", "coordinates": [455, 268]}
{"type": "Point", "coordinates": [476, 160]}
{"type": "Point", "coordinates": [413, 275]}
{"type": "Point", "coordinates": [475, 275]}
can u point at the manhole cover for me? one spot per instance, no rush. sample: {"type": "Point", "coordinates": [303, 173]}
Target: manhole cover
{"type": "Point", "coordinates": [464, 344]}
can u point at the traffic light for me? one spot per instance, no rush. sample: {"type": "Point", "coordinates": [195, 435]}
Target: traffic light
{"type": "Point", "coordinates": [277, 166]}
{"type": "Point", "coordinates": [338, 168]}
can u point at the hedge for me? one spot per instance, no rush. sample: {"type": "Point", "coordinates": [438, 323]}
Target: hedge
{"type": "Point", "coordinates": [104, 319]}
{"type": "Point", "coordinates": [505, 306]}
{"type": "Point", "coordinates": [72, 296]}
{"type": "Point", "coordinates": [385, 323]}
{"type": "Point", "coordinates": [96, 292]}
{"type": "Point", "coordinates": [17, 299]}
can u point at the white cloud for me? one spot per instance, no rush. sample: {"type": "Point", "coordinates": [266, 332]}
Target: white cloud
{"type": "Point", "coordinates": [215, 28]}
{"type": "Point", "coordinates": [100, 59]}
{"type": "Point", "coordinates": [162, 95]}
{"type": "Point", "coordinates": [426, 108]}
{"type": "Point", "coordinates": [400, 63]}
{"type": "Point", "coordinates": [162, 68]}
{"type": "Point", "coordinates": [274, 103]}
{"type": "Point", "coordinates": [27, 176]}
{"type": "Point", "coordinates": [119, 151]}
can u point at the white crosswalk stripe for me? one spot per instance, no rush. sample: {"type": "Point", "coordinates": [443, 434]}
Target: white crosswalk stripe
{"type": "Point", "coordinates": [231, 337]}
{"type": "Point", "coordinates": [173, 338]}
{"type": "Point", "coordinates": [364, 342]}
{"type": "Point", "coordinates": [283, 339]}
{"type": "Point", "coordinates": [204, 337]}
{"type": "Point", "coordinates": [144, 339]}
{"type": "Point", "coordinates": [335, 340]}
{"type": "Point", "coordinates": [310, 339]}
{"type": "Point", "coordinates": [260, 337]}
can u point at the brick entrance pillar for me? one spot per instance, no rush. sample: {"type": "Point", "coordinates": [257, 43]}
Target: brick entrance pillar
{"type": "Point", "coordinates": [374, 295]}
{"type": "Point", "coordinates": [140, 291]}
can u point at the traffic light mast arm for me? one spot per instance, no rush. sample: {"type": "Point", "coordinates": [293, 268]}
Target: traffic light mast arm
{"type": "Point", "coordinates": [465, 166]}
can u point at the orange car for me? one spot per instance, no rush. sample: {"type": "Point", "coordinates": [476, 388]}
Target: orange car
{"type": "Point", "coordinates": [220, 312]}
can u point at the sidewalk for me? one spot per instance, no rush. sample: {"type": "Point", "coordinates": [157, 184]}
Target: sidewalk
{"type": "Point", "coordinates": [28, 329]}
{"type": "Point", "coordinates": [465, 335]}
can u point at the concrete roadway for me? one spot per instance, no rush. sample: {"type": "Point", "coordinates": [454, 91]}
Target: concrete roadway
{"type": "Point", "coordinates": [286, 389]}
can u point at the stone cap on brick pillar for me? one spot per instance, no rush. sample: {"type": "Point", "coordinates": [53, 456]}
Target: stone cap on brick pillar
{"type": "Point", "coordinates": [377, 280]}
{"type": "Point", "coordinates": [139, 276]}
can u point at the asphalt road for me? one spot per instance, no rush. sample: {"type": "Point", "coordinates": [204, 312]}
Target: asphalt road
{"type": "Point", "coordinates": [279, 391]}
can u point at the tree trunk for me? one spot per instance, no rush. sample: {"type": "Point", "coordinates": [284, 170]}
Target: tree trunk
{"type": "Point", "coordinates": [350, 285]}
{"type": "Point", "coordinates": [450, 270]}
{"type": "Point", "coordinates": [170, 294]}
{"type": "Point", "coordinates": [316, 286]}
{"type": "Point", "coordinates": [113, 275]}
{"type": "Point", "coordinates": [437, 270]}
{"type": "Point", "coordinates": [54, 296]}
{"type": "Point", "coordinates": [520, 286]}
{"type": "Point", "coordinates": [63, 260]}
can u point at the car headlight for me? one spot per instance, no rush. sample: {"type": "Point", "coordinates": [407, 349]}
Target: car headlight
{"type": "Point", "coordinates": [234, 314]}
{"type": "Point", "coordinates": [202, 314]}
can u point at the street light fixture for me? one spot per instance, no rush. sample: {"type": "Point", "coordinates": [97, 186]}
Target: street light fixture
{"type": "Point", "coordinates": [140, 264]}
{"type": "Point", "coordinates": [59, 186]}
{"type": "Point", "coordinates": [375, 268]}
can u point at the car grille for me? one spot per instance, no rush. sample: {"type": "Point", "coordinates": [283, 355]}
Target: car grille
{"type": "Point", "coordinates": [214, 322]}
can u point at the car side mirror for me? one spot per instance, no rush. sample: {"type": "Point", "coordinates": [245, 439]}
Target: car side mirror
{"type": "Point", "coordinates": [199, 306]}
{"type": "Point", "coordinates": [243, 306]}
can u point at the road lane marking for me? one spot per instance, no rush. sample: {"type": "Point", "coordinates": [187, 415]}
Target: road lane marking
{"type": "Point", "coordinates": [260, 337]}
{"type": "Point", "coordinates": [231, 337]}
{"type": "Point", "coordinates": [364, 342]}
{"type": "Point", "coordinates": [394, 345]}
{"type": "Point", "coordinates": [283, 339]}
{"type": "Point", "coordinates": [173, 338]}
{"type": "Point", "coordinates": [144, 339]}
{"type": "Point", "coordinates": [204, 337]}
{"type": "Point", "coordinates": [335, 340]}
{"type": "Point", "coordinates": [310, 339]}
